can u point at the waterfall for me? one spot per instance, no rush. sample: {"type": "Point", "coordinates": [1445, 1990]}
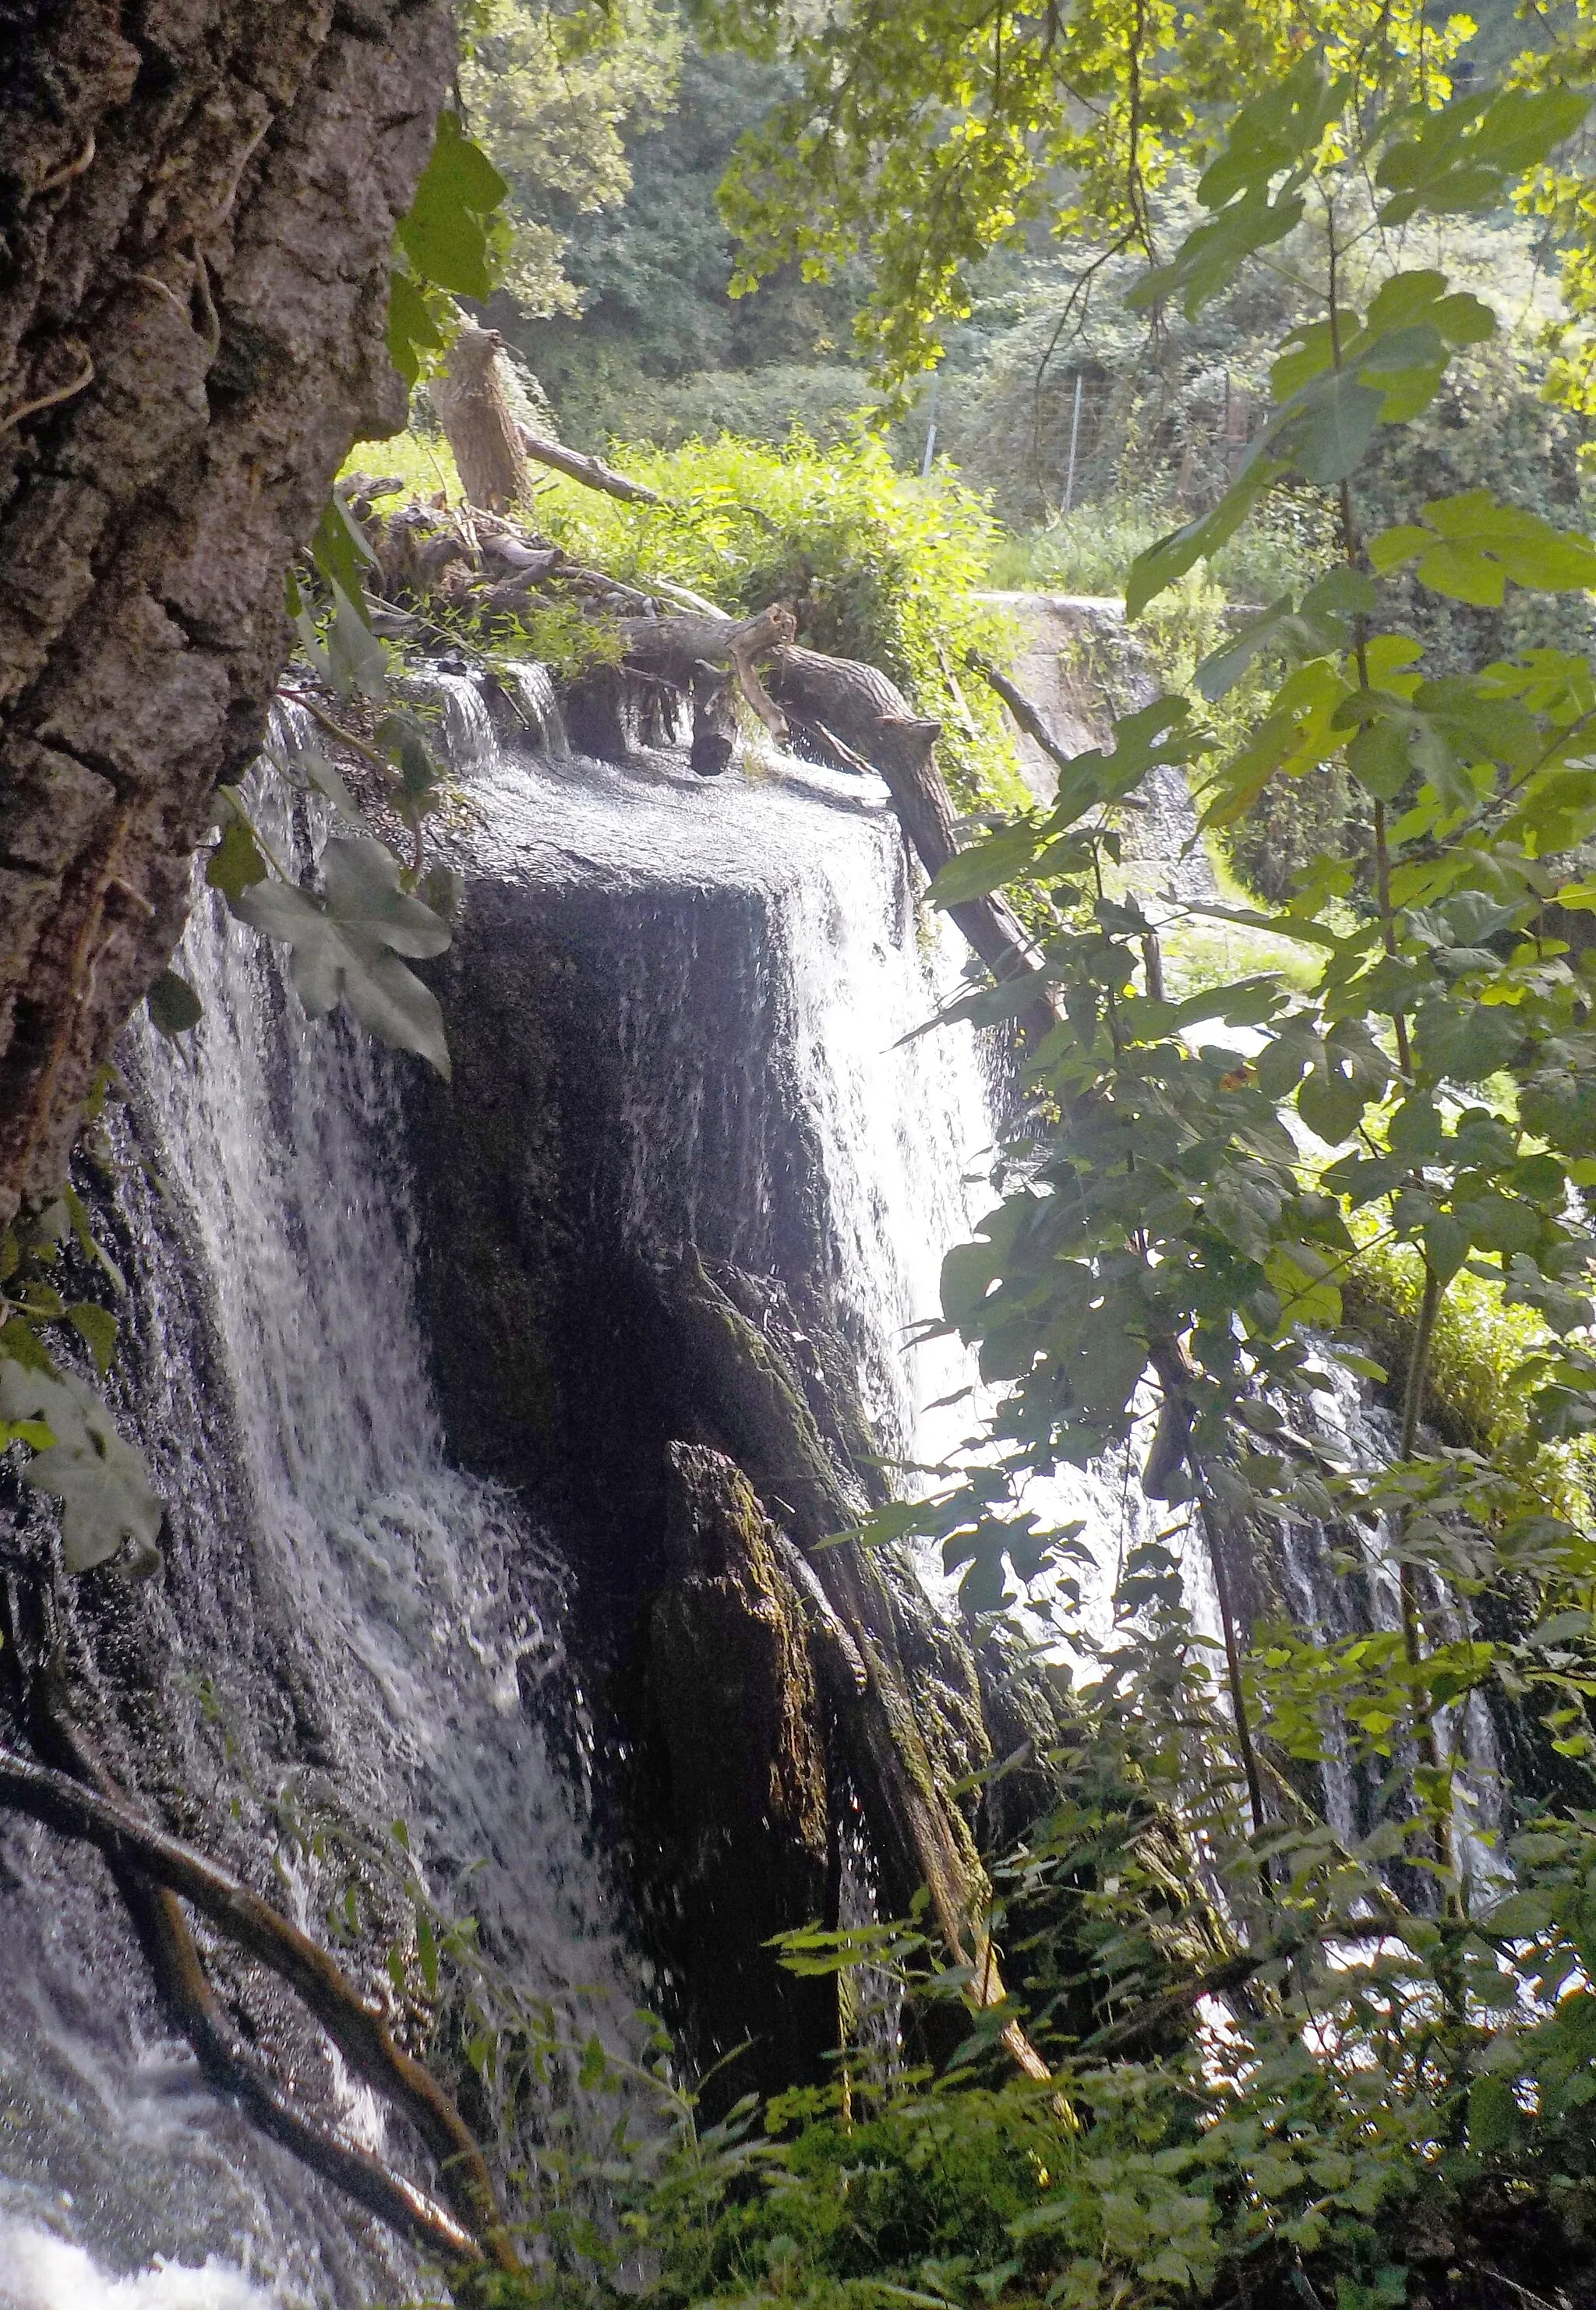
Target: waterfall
{"type": "Point", "coordinates": [349, 1630]}
{"type": "Point", "coordinates": [682, 1010]}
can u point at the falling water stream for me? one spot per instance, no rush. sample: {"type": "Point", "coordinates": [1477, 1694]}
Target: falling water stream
{"type": "Point", "coordinates": [347, 1625]}
{"type": "Point", "coordinates": [351, 1628]}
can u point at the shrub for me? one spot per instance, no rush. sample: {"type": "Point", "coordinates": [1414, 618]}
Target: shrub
{"type": "Point", "coordinates": [874, 564]}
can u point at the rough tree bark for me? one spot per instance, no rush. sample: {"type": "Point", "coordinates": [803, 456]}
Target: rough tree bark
{"type": "Point", "coordinates": [197, 200]}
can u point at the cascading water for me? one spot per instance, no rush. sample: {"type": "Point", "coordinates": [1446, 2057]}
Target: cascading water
{"type": "Point", "coordinates": [679, 1011]}
{"type": "Point", "coordinates": [349, 1630]}
{"type": "Point", "coordinates": [348, 1627]}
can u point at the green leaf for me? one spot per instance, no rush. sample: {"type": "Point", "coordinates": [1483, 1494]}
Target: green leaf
{"type": "Point", "coordinates": [97, 1326]}
{"type": "Point", "coordinates": [444, 235]}
{"type": "Point", "coordinates": [1327, 434]}
{"type": "Point", "coordinates": [1172, 556]}
{"type": "Point", "coordinates": [1159, 733]}
{"type": "Point", "coordinates": [1469, 546]}
{"type": "Point", "coordinates": [107, 1499]}
{"type": "Point", "coordinates": [327, 779]}
{"type": "Point", "coordinates": [1213, 254]}
{"type": "Point", "coordinates": [1313, 629]}
{"type": "Point", "coordinates": [1274, 131]}
{"type": "Point", "coordinates": [1379, 760]}
{"type": "Point", "coordinates": [984, 867]}
{"type": "Point", "coordinates": [363, 895]}
{"type": "Point", "coordinates": [1461, 157]}
{"type": "Point", "coordinates": [414, 330]}
{"type": "Point", "coordinates": [172, 1004]}
{"type": "Point", "coordinates": [22, 1344]}
{"type": "Point", "coordinates": [347, 945]}
{"type": "Point", "coordinates": [235, 865]}
{"type": "Point", "coordinates": [340, 550]}
{"type": "Point", "coordinates": [1493, 2115]}
{"type": "Point", "coordinates": [356, 665]}
{"type": "Point", "coordinates": [1464, 1043]}
{"type": "Point", "coordinates": [404, 742]}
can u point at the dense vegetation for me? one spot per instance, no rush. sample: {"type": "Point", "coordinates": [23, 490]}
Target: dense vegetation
{"type": "Point", "coordinates": [1249, 1187]}
{"type": "Point", "coordinates": [1302, 1918]}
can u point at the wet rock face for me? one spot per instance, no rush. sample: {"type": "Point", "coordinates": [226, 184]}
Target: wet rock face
{"type": "Point", "coordinates": [732, 1779]}
{"type": "Point", "coordinates": [616, 1084]}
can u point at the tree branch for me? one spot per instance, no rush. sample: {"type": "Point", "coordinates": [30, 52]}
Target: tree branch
{"type": "Point", "coordinates": [590, 471]}
{"type": "Point", "coordinates": [355, 2027]}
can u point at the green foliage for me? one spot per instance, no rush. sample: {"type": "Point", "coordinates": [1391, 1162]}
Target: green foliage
{"type": "Point", "coordinates": [874, 565]}
{"type": "Point", "coordinates": [762, 405]}
{"type": "Point", "coordinates": [552, 91]}
{"type": "Point", "coordinates": [65, 1434]}
{"type": "Point", "coordinates": [928, 138]}
{"type": "Point", "coordinates": [651, 272]}
{"type": "Point", "coordinates": [348, 942]}
{"type": "Point", "coordinates": [445, 246]}
{"type": "Point", "coordinates": [1218, 1179]}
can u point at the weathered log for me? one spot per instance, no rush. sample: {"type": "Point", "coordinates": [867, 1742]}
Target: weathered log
{"type": "Point", "coordinates": [1026, 716]}
{"type": "Point", "coordinates": [670, 648]}
{"type": "Point", "coordinates": [591, 471]}
{"type": "Point", "coordinates": [479, 424]}
{"type": "Point", "coordinates": [832, 699]}
{"type": "Point", "coordinates": [732, 1747]}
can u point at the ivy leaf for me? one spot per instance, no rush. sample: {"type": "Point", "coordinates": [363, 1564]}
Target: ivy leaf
{"type": "Point", "coordinates": [172, 1004]}
{"type": "Point", "coordinates": [235, 864]}
{"type": "Point", "coordinates": [98, 1327]}
{"type": "Point", "coordinates": [107, 1499]}
{"type": "Point", "coordinates": [445, 232]}
{"type": "Point", "coordinates": [1467, 547]}
{"type": "Point", "coordinates": [346, 946]}
{"type": "Point", "coordinates": [364, 896]}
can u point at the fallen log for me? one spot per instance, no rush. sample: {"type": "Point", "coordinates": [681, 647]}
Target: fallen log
{"type": "Point", "coordinates": [670, 650]}
{"type": "Point", "coordinates": [1026, 716]}
{"type": "Point", "coordinates": [836, 698]}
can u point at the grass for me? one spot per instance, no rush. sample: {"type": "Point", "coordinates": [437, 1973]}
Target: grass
{"type": "Point", "coordinates": [1089, 550]}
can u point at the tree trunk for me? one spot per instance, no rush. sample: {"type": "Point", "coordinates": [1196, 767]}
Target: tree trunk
{"type": "Point", "coordinates": [197, 213]}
